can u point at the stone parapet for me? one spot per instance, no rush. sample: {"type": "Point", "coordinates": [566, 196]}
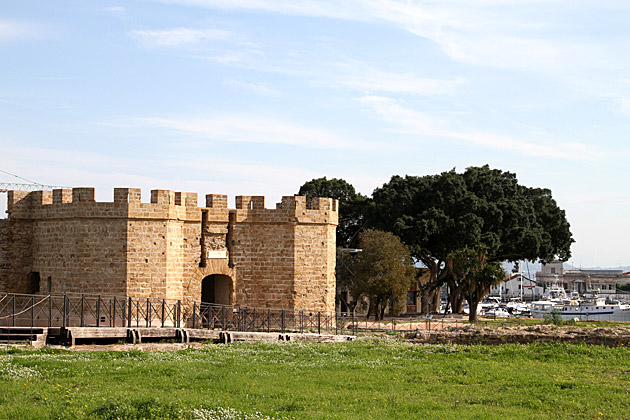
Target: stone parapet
{"type": "Point", "coordinates": [166, 204]}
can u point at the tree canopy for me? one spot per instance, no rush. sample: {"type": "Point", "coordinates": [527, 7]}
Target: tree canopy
{"type": "Point", "coordinates": [437, 215]}
{"type": "Point", "coordinates": [351, 205]}
{"type": "Point", "coordinates": [381, 272]}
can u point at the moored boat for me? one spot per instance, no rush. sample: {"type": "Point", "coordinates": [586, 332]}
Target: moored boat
{"type": "Point", "coordinates": [591, 308]}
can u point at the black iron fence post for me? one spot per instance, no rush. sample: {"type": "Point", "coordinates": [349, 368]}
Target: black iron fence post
{"type": "Point", "coordinates": [163, 309]}
{"type": "Point", "coordinates": [268, 320]}
{"type": "Point", "coordinates": [13, 312]}
{"type": "Point", "coordinates": [148, 313]}
{"type": "Point", "coordinates": [129, 303]}
{"type": "Point", "coordinates": [113, 313]}
{"type": "Point", "coordinates": [49, 311]}
{"type": "Point", "coordinates": [224, 316]}
{"type": "Point", "coordinates": [82, 310]}
{"type": "Point", "coordinates": [32, 311]}
{"type": "Point", "coordinates": [124, 312]}
{"type": "Point", "coordinates": [319, 322]}
{"type": "Point", "coordinates": [194, 325]}
{"type": "Point", "coordinates": [179, 313]}
{"type": "Point", "coordinates": [98, 311]}
{"type": "Point", "coordinates": [65, 310]}
{"type": "Point", "coordinates": [282, 321]}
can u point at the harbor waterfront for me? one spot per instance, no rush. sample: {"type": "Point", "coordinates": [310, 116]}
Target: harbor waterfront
{"type": "Point", "coordinates": [584, 310]}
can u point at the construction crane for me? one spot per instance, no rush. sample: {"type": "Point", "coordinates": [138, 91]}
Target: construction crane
{"type": "Point", "coordinates": [30, 186]}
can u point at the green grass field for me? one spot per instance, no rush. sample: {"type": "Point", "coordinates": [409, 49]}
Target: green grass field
{"type": "Point", "coordinates": [368, 379]}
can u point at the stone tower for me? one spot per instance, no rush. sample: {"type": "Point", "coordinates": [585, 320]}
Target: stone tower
{"type": "Point", "coordinates": [64, 241]}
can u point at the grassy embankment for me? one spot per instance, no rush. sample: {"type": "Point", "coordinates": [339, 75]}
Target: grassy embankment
{"type": "Point", "coordinates": [361, 380]}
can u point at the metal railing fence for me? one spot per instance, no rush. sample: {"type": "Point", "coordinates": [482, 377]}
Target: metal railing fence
{"type": "Point", "coordinates": [83, 310]}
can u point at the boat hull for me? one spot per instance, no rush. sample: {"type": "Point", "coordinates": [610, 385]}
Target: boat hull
{"type": "Point", "coordinates": [585, 313]}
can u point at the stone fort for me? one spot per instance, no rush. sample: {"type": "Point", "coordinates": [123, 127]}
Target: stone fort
{"type": "Point", "coordinates": [64, 241]}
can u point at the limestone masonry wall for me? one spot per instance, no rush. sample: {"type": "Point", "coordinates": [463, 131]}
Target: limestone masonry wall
{"type": "Point", "coordinates": [65, 241]}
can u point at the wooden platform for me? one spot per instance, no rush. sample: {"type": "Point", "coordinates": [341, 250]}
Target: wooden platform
{"type": "Point", "coordinates": [69, 336]}
{"type": "Point", "coordinates": [34, 336]}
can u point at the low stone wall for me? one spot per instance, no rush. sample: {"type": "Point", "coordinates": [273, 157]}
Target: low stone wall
{"type": "Point", "coordinates": [470, 334]}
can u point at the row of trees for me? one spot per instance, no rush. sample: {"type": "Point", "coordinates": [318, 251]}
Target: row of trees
{"type": "Point", "coordinates": [459, 226]}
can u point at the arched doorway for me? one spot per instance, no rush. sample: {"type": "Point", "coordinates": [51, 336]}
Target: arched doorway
{"type": "Point", "coordinates": [216, 288]}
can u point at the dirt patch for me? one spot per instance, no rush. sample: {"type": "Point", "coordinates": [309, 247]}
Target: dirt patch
{"type": "Point", "coordinates": [472, 334]}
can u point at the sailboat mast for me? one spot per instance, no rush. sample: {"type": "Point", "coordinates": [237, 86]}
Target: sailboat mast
{"type": "Point", "coordinates": [520, 266]}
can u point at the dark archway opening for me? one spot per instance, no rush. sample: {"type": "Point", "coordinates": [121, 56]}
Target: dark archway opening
{"type": "Point", "coordinates": [216, 289]}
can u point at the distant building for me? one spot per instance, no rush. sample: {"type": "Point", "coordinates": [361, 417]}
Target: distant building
{"type": "Point", "coordinates": [414, 295]}
{"type": "Point", "coordinates": [581, 281]}
{"type": "Point", "coordinates": [511, 288]}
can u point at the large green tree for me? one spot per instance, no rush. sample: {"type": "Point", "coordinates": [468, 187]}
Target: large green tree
{"type": "Point", "coordinates": [436, 215]}
{"type": "Point", "coordinates": [352, 206]}
{"type": "Point", "coordinates": [382, 272]}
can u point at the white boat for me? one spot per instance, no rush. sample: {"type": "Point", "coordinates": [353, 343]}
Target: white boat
{"type": "Point", "coordinates": [518, 308]}
{"type": "Point", "coordinates": [483, 306]}
{"type": "Point", "coordinates": [556, 293]}
{"type": "Point", "coordinates": [591, 308]}
{"type": "Point", "coordinates": [497, 312]}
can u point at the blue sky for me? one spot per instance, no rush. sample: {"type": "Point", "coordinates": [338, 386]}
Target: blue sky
{"type": "Point", "coordinates": [256, 97]}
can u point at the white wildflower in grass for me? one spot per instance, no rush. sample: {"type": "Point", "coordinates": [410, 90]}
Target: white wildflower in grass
{"type": "Point", "coordinates": [221, 413]}
{"type": "Point", "coordinates": [11, 371]}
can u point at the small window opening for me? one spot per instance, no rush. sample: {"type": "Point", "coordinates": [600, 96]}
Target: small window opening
{"type": "Point", "coordinates": [32, 281]}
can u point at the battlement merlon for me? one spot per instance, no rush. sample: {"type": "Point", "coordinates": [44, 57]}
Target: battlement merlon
{"type": "Point", "coordinates": [127, 195]}
{"type": "Point", "coordinates": [298, 203]}
{"type": "Point", "coordinates": [19, 202]}
{"type": "Point", "coordinates": [61, 202]}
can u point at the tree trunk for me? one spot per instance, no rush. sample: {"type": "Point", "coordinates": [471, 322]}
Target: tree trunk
{"type": "Point", "coordinates": [425, 302]}
{"type": "Point", "coordinates": [456, 298]}
{"type": "Point", "coordinates": [377, 309]}
{"type": "Point", "coordinates": [472, 315]}
{"type": "Point", "coordinates": [430, 300]}
{"type": "Point", "coordinates": [458, 304]}
{"type": "Point", "coordinates": [436, 301]}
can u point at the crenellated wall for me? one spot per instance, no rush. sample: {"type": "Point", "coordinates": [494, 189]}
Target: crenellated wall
{"type": "Point", "coordinates": [281, 258]}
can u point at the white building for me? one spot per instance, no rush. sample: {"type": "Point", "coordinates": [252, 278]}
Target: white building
{"type": "Point", "coordinates": [511, 288]}
{"type": "Point", "coordinates": [581, 281]}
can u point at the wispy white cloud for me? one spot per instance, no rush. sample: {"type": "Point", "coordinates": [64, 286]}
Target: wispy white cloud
{"type": "Point", "coordinates": [258, 88]}
{"type": "Point", "coordinates": [514, 35]}
{"type": "Point", "coordinates": [244, 57]}
{"type": "Point", "coordinates": [413, 122]}
{"type": "Point", "coordinates": [178, 36]}
{"type": "Point", "coordinates": [334, 9]}
{"type": "Point", "coordinates": [117, 10]}
{"type": "Point", "coordinates": [11, 30]}
{"type": "Point", "coordinates": [248, 129]}
{"type": "Point", "coordinates": [361, 77]}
